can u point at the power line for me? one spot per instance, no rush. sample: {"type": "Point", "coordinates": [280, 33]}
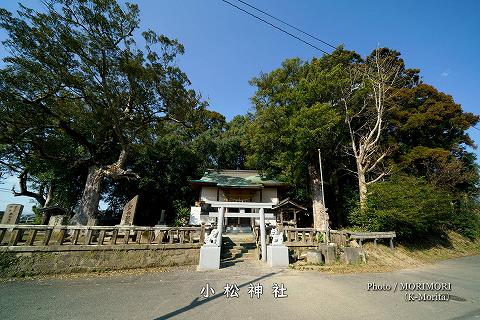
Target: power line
{"type": "Point", "coordinates": [276, 27]}
{"type": "Point", "coordinates": [286, 23]}
{"type": "Point", "coordinates": [284, 31]}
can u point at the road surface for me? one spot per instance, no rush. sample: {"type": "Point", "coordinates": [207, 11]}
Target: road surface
{"type": "Point", "coordinates": [311, 295]}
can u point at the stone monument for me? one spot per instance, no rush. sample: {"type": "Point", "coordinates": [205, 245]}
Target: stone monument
{"type": "Point", "coordinates": [161, 222]}
{"type": "Point", "coordinates": [353, 255]}
{"type": "Point", "coordinates": [12, 214]}
{"type": "Point", "coordinates": [210, 253]}
{"type": "Point", "coordinates": [315, 256]}
{"type": "Point", "coordinates": [277, 252]}
{"type": "Point", "coordinates": [129, 211]}
{"type": "Point", "coordinates": [58, 220]}
{"type": "Point", "coordinates": [329, 252]}
{"type": "Point", "coordinates": [195, 216]}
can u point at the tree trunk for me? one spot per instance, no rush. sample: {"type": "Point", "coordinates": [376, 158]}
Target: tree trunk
{"type": "Point", "coordinates": [362, 188]}
{"type": "Point", "coordinates": [90, 197]}
{"type": "Point", "coordinates": [320, 215]}
{"type": "Point", "coordinates": [48, 201]}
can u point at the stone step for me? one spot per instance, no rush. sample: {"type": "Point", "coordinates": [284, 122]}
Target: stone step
{"type": "Point", "coordinates": [245, 256]}
{"type": "Point", "coordinates": [248, 245]}
{"type": "Point", "coordinates": [238, 240]}
{"type": "Point", "coordinates": [238, 243]}
{"type": "Point", "coordinates": [238, 247]}
{"type": "Point", "coordinates": [249, 256]}
{"type": "Point", "coordinates": [238, 230]}
{"type": "Point", "coordinates": [243, 244]}
{"type": "Point", "coordinates": [241, 248]}
{"type": "Point", "coordinates": [239, 237]}
{"type": "Point", "coordinates": [230, 256]}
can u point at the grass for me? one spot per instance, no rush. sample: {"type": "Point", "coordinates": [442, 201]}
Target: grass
{"type": "Point", "coordinates": [381, 259]}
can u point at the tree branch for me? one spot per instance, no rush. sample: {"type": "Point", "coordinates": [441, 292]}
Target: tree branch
{"type": "Point", "coordinates": [24, 190]}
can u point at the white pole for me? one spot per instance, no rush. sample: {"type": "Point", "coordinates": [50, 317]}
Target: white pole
{"type": "Point", "coordinates": [220, 225]}
{"type": "Point", "coordinates": [262, 235]}
{"type": "Point", "coordinates": [327, 240]}
{"type": "Point", "coordinates": [321, 176]}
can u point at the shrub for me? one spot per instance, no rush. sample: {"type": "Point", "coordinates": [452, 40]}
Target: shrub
{"type": "Point", "coordinates": [182, 213]}
{"type": "Point", "coordinates": [466, 219]}
{"type": "Point", "coordinates": [407, 205]}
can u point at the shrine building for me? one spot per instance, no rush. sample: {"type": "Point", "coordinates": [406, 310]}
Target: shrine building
{"type": "Point", "coordinates": [246, 186]}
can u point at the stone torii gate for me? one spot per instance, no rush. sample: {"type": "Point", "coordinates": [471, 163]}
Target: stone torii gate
{"type": "Point", "coordinates": [210, 254]}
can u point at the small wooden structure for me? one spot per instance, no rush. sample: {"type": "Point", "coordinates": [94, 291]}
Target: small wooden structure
{"type": "Point", "coordinates": [287, 211]}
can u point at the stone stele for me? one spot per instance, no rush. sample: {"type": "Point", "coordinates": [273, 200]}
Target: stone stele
{"type": "Point", "coordinates": [129, 212]}
{"type": "Point", "coordinates": [12, 214]}
{"type": "Point", "coordinates": [58, 220]}
{"type": "Point", "coordinates": [195, 216]}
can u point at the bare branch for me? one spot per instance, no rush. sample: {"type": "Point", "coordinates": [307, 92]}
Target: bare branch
{"type": "Point", "coordinates": [383, 174]}
{"type": "Point", "coordinates": [379, 159]}
{"type": "Point", "coordinates": [24, 190]}
{"type": "Point", "coordinates": [116, 171]}
{"type": "Point", "coordinates": [351, 171]}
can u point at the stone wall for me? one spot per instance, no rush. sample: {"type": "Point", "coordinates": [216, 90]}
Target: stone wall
{"type": "Point", "coordinates": [18, 264]}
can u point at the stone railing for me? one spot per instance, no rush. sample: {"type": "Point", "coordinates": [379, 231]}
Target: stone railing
{"type": "Point", "coordinates": [63, 238]}
{"type": "Point", "coordinates": [308, 237]}
{"type": "Point", "coordinates": [339, 237]}
{"type": "Point", "coordinates": [301, 237]}
{"type": "Point", "coordinates": [294, 237]}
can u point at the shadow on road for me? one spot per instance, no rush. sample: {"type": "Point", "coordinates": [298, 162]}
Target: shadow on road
{"type": "Point", "coordinates": [196, 302]}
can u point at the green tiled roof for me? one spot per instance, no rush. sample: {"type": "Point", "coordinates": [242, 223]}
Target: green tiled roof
{"type": "Point", "coordinates": [236, 178]}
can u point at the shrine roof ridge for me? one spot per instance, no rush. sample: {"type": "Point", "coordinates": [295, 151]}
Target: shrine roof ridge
{"type": "Point", "coordinates": [236, 179]}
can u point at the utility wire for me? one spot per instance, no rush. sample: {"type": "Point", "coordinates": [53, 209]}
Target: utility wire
{"type": "Point", "coordinates": [284, 31]}
{"type": "Point", "coordinates": [276, 27]}
{"type": "Point", "coordinates": [286, 23]}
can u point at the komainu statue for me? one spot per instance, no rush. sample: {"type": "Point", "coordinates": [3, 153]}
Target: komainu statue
{"type": "Point", "coordinates": [212, 237]}
{"type": "Point", "coordinates": [277, 237]}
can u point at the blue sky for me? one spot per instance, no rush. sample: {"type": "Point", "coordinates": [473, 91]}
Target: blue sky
{"type": "Point", "coordinates": [225, 48]}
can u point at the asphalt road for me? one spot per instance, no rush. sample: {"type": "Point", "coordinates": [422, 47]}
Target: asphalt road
{"type": "Point", "coordinates": [311, 295]}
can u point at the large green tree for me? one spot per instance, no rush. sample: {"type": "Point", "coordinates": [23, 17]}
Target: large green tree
{"type": "Point", "coordinates": [296, 114]}
{"type": "Point", "coordinates": [375, 109]}
{"type": "Point", "coordinates": [76, 71]}
{"type": "Point", "coordinates": [166, 161]}
{"type": "Point", "coordinates": [428, 130]}
{"type": "Point", "coordinates": [222, 145]}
